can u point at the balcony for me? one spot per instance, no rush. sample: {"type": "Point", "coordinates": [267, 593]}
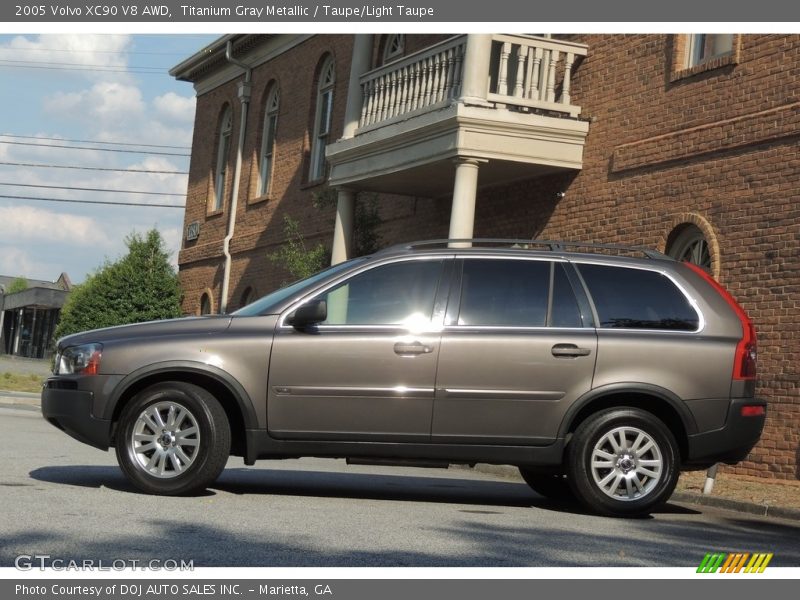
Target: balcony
{"type": "Point", "coordinates": [500, 101]}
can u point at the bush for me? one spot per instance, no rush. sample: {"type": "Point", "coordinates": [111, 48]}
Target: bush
{"type": "Point", "coordinates": [140, 286]}
{"type": "Point", "coordinates": [20, 284]}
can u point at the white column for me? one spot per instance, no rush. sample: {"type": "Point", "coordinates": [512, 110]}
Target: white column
{"type": "Point", "coordinates": [475, 84]}
{"type": "Point", "coordinates": [343, 229]}
{"type": "Point", "coordinates": [361, 63]}
{"type": "Point", "coordinates": [346, 204]}
{"type": "Point", "coordinates": [465, 189]}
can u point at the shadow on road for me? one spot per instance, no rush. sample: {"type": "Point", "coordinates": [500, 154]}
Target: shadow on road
{"type": "Point", "coordinates": [324, 484]}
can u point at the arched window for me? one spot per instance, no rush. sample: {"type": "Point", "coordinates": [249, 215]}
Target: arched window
{"type": "Point", "coordinates": [322, 120]}
{"type": "Point", "coordinates": [394, 47]}
{"type": "Point", "coordinates": [248, 296]}
{"type": "Point", "coordinates": [687, 243]}
{"type": "Point", "coordinates": [205, 304]}
{"type": "Point", "coordinates": [268, 141]}
{"type": "Point", "coordinates": [223, 150]}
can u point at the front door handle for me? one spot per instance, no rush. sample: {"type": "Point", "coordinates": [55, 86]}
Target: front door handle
{"type": "Point", "coordinates": [569, 351]}
{"type": "Point", "coordinates": [412, 348]}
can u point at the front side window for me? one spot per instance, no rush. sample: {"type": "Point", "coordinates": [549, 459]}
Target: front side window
{"type": "Point", "coordinates": [638, 299]}
{"type": "Point", "coordinates": [396, 294]}
{"type": "Point", "coordinates": [223, 150]}
{"type": "Point", "coordinates": [322, 122]}
{"type": "Point", "coordinates": [704, 47]}
{"type": "Point", "coordinates": [516, 293]}
{"type": "Point", "coordinates": [268, 141]}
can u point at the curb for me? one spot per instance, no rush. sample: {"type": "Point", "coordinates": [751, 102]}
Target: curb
{"type": "Point", "coordinates": [9, 398]}
{"type": "Point", "coordinates": [750, 508]}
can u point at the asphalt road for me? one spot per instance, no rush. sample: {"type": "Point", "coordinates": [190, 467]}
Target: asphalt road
{"type": "Point", "coordinates": [70, 501]}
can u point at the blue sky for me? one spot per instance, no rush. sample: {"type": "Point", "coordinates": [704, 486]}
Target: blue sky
{"type": "Point", "coordinates": [89, 87]}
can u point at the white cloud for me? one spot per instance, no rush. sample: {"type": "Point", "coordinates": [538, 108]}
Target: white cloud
{"type": "Point", "coordinates": [174, 107]}
{"type": "Point", "coordinates": [74, 52]}
{"type": "Point", "coordinates": [21, 224]}
{"type": "Point", "coordinates": [105, 101]}
{"type": "Point", "coordinates": [15, 262]}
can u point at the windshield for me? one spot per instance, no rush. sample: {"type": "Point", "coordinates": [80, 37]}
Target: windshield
{"type": "Point", "coordinates": [268, 304]}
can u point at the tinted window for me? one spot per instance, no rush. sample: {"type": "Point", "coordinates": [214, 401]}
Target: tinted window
{"type": "Point", "coordinates": [396, 294]}
{"type": "Point", "coordinates": [504, 293]}
{"type": "Point", "coordinates": [564, 311]}
{"type": "Point", "coordinates": [637, 299]}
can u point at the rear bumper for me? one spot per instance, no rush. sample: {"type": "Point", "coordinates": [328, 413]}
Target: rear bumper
{"type": "Point", "coordinates": [732, 442]}
{"type": "Point", "coordinates": [71, 411]}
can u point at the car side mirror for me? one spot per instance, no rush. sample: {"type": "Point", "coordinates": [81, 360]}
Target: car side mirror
{"type": "Point", "coordinates": [310, 313]}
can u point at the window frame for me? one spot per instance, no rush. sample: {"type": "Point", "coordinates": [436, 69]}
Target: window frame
{"type": "Point", "coordinates": [269, 131]}
{"type": "Point", "coordinates": [220, 179]}
{"type": "Point", "coordinates": [682, 46]}
{"type": "Point", "coordinates": [392, 51]}
{"type": "Point", "coordinates": [454, 302]}
{"type": "Point", "coordinates": [326, 83]}
{"type": "Point", "coordinates": [440, 298]}
{"type": "Point", "coordinates": [701, 321]}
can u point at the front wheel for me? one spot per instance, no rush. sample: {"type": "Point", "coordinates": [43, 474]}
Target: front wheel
{"type": "Point", "coordinates": [173, 438]}
{"type": "Point", "coordinates": [622, 462]}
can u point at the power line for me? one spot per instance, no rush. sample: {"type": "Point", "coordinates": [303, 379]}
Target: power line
{"type": "Point", "coordinates": [76, 51]}
{"type": "Point", "coordinates": [39, 137]}
{"type": "Point", "coordinates": [68, 64]}
{"type": "Point", "coordinates": [92, 202]}
{"type": "Point", "coordinates": [16, 164]}
{"type": "Point", "coordinates": [96, 149]}
{"type": "Point", "coordinates": [87, 189]}
{"type": "Point", "coordinates": [93, 70]}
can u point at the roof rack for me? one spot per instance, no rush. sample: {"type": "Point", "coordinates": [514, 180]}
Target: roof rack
{"type": "Point", "coordinates": [522, 244]}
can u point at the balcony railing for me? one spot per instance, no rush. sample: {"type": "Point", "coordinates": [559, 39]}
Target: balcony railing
{"type": "Point", "coordinates": [419, 82]}
{"type": "Point", "coordinates": [518, 72]}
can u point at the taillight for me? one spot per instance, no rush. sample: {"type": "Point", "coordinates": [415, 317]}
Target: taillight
{"type": "Point", "coordinates": [753, 410]}
{"type": "Point", "coordinates": [744, 365]}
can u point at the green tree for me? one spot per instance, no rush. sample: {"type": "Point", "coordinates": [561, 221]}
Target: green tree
{"type": "Point", "coordinates": [140, 286]}
{"type": "Point", "coordinates": [20, 284]}
{"type": "Point", "coordinates": [295, 255]}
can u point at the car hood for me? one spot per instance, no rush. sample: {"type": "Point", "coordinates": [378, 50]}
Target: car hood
{"type": "Point", "coordinates": [150, 329]}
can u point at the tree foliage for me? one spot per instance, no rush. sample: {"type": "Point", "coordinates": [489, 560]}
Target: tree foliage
{"type": "Point", "coordinates": [20, 284]}
{"type": "Point", "coordinates": [302, 260]}
{"type": "Point", "coordinates": [140, 286]}
{"type": "Point", "coordinates": [295, 255]}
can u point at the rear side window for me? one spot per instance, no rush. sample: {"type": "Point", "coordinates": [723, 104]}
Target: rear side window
{"type": "Point", "coordinates": [516, 293]}
{"type": "Point", "coordinates": [638, 299]}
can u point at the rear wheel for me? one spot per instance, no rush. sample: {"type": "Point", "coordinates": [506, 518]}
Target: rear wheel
{"type": "Point", "coordinates": [173, 438]}
{"type": "Point", "coordinates": [622, 462]}
{"type": "Point", "coordinates": [549, 485]}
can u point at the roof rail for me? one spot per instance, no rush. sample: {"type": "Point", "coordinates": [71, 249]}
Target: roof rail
{"type": "Point", "coordinates": [526, 244]}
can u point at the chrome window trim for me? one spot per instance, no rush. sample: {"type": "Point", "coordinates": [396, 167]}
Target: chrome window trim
{"type": "Point", "coordinates": [434, 326]}
{"type": "Point", "coordinates": [701, 320]}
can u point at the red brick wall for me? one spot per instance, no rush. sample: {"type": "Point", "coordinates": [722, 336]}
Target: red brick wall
{"type": "Point", "coordinates": [717, 148]}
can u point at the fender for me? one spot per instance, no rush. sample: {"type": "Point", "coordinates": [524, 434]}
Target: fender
{"type": "Point", "coordinates": [674, 401]}
{"type": "Point", "coordinates": [184, 366]}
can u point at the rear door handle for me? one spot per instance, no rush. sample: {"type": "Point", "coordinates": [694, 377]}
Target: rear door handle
{"type": "Point", "coordinates": [569, 351]}
{"type": "Point", "coordinates": [412, 348]}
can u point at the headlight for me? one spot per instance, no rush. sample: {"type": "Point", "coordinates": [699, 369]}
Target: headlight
{"type": "Point", "coordinates": [79, 359]}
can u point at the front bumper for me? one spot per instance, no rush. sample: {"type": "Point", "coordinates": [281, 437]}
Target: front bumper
{"type": "Point", "coordinates": [732, 442]}
{"type": "Point", "coordinates": [71, 411]}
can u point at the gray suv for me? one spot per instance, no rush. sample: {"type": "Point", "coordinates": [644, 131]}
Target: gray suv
{"type": "Point", "coordinates": [600, 371]}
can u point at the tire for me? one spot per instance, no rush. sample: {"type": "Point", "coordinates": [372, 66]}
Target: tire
{"type": "Point", "coordinates": [622, 462]}
{"type": "Point", "coordinates": [549, 485]}
{"type": "Point", "coordinates": [173, 438]}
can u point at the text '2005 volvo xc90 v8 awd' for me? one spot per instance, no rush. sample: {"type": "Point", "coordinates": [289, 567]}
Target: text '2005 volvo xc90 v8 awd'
{"type": "Point", "coordinates": [599, 371]}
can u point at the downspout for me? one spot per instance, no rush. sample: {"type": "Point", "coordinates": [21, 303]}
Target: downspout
{"type": "Point", "coordinates": [244, 97]}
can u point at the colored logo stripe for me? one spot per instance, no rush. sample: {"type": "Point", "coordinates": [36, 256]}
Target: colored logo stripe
{"type": "Point", "coordinates": [734, 562]}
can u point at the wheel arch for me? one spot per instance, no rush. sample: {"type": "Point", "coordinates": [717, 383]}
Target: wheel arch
{"type": "Point", "coordinates": [662, 403]}
{"type": "Point", "coordinates": [226, 389]}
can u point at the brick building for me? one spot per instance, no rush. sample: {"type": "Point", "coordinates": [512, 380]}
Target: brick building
{"type": "Point", "coordinates": [685, 143]}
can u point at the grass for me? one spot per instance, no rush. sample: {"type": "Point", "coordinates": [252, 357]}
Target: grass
{"type": "Point", "coordinates": [16, 382]}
